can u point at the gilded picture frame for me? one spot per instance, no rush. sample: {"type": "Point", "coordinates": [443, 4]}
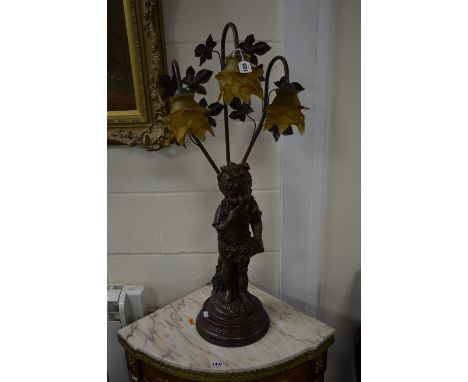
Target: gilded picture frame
{"type": "Point", "coordinates": [138, 111]}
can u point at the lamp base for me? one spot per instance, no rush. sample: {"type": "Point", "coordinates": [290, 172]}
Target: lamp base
{"type": "Point", "coordinates": [238, 323]}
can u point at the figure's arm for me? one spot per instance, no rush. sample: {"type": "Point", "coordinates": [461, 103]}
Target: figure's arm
{"type": "Point", "coordinates": [256, 223]}
{"type": "Point", "coordinates": [218, 223]}
{"type": "Point", "coordinates": [222, 220]}
{"type": "Point", "coordinates": [220, 227]}
{"type": "Point", "coordinates": [257, 231]}
{"type": "Point", "coordinates": [221, 224]}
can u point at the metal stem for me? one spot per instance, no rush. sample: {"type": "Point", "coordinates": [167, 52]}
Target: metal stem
{"type": "Point", "coordinates": [202, 148]}
{"type": "Point", "coordinates": [176, 74]}
{"type": "Point", "coordinates": [219, 55]}
{"type": "Point", "coordinates": [266, 100]}
{"type": "Point", "coordinates": [223, 41]}
{"type": "Point", "coordinates": [226, 134]}
{"type": "Point", "coordinates": [253, 120]}
{"type": "Point", "coordinates": [232, 26]}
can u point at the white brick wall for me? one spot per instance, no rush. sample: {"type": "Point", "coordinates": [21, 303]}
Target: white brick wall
{"type": "Point", "coordinates": [161, 204]}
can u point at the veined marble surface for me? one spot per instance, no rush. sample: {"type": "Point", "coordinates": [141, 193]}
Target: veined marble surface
{"type": "Point", "coordinates": [169, 336]}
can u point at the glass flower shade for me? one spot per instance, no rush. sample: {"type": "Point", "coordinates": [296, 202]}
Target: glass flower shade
{"type": "Point", "coordinates": [186, 116]}
{"type": "Point", "coordinates": [285, 111]}
{"type": "Point", "coordinates": [233, 83]}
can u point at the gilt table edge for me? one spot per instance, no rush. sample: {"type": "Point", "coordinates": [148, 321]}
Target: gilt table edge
{"type": "Point", "coordinates": [229, 376]}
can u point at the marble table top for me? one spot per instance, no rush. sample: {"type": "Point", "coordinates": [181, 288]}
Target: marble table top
{"type": "Point", "coordinates": [169, 337]}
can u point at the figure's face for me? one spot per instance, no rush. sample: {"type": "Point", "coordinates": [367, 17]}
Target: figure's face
{"type": "Point", "coordinates": [238, 196]}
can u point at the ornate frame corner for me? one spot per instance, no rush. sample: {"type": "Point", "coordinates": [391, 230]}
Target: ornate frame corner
{"type": "Point", "coordinates": [146, 126]}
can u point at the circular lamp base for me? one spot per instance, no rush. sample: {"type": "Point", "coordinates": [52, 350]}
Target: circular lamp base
{"type": "Point", "coordinates": [239, 323]}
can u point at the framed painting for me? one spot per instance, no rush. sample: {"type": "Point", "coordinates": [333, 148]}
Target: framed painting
{"type": "Point", "coordinates": [135, 59]}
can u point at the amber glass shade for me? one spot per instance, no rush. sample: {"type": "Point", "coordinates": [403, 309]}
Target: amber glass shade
{"type": "Point", "coordinates": [186, 116]}
{"type": "Point", "coordinates": [233, 83]}
{"type": "Point", "coordinates": [285, 111]}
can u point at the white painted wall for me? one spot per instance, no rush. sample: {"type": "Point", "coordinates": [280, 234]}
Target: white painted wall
{"type": "Point", "coordinates": [161, 204]}
{"type": "Point", "coordinates": [341, 273]}
{"type": "Point", "coordinates": [320, 251]}
{"type": "Point", "coordinates": [306, 42]}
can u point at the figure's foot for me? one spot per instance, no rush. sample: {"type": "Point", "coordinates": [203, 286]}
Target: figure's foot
{"type": "Point", "coordinates": [228, 297]}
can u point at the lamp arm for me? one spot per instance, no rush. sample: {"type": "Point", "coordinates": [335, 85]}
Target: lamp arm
{"type": "Point", "coordinates": [176, 74]}
{"type": "Point", "coordinates": [228, 26]}
{"type": "Point", "coordinates": [266, 100]}
{"type": "Point", "coordinates": [202, 148]}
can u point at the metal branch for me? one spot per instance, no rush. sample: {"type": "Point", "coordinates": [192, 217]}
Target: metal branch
{"type": "Point", "coordinates": [267, 77]}
{"type": "Point", "coordinates": [226, 133]}
{"type": "Point", "coordinates": [202, 148]}
{"type": "Point", "coordinates": [228, 26]}
{"type": "Point", "coordinates": [223, 41]}
{"type": "Point", "coordinates": [219, 55]}
{"type": "Point", "coordinates": [176, 74]}
{"type": "Point", "coordinates": [266, 100]}
{"type": "Point", "coordinates": [253, 120]}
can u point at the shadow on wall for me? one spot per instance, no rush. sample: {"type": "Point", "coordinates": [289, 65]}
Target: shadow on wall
{"type": "Point", "coordinates": [347, 322]}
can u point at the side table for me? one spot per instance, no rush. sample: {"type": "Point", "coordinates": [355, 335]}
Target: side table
{"type": "Point", "coordinates": [165, 346]}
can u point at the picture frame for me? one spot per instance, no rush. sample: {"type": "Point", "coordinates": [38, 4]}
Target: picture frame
{"type": "Point", "coordinates": [135, 59]}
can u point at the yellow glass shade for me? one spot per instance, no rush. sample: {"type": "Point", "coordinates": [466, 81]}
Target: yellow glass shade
{"type": "Point", "coordinates": [233, 83]}
{"type": "Point", "coordinates": [284, 111]}
{"type": "Point", "coordinates": [187, 117]}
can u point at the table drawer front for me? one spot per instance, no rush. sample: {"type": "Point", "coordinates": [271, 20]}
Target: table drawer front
{"type": "Point", "coordinates": [151, 374]}
{"type": "Point", "coordinates": [298, 374]}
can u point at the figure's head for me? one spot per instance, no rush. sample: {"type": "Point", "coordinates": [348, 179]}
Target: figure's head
{"type": "Point", "coordinates": [235, 182]}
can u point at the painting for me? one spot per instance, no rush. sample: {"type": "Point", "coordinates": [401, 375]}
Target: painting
{"type": "Point", "coordinates": [120, 86]}
{"type": "Point", "coordinates": [135, 59]}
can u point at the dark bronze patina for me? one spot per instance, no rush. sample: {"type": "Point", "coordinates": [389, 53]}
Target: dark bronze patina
{"type": "Point", "coordinates": [232, 316]}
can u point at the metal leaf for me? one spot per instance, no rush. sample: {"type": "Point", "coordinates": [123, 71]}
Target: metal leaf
{"type": "Point", "coordinates": [215, 108]}
{"type": "Point", "coordinates": [168, 85]}
{"type": "Point", "coordinates": [203, 76]}
{"type": "Point", "coordinates": [260, 48]}
{"type": "Point", "coordinates": [250, 39]}
{"type": "Point", "coordinates": [293, 85]}
{"type": "Point", "coordinates": [197, 88]}
{"type": "Point", "coordinates": [253, 59]}
{"type": "Point", "coordinates": [297, 86]}
{"type": "Point", "coordinates": [281, 82]}
{"type": "Point", "coordinates": [212, 121]}
{"type": "Point", "coordinates": [236, 103]}
{"type": "Point", "coordinates": [203, 102]}
{"type": "Point", "coordinates": [190, 72]}
{"type": "Point", "coordinates": [276, 134]}
{"type": "Point", "coordinates": [204, 51]}
{"type": "Point", "coordinates": [236, 114]}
